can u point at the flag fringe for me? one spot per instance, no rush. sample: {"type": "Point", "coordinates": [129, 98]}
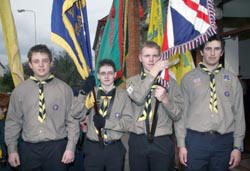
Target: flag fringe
{"type": "Point", "coordinates": [197, 41]}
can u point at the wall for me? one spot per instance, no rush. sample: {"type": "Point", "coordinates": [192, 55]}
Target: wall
{"type": "Point", "coordinates": [237, 8]}
{"type": "Point", "coordinates": [232, 55]}
{"type": "Point", "coordinates": [244, 58]}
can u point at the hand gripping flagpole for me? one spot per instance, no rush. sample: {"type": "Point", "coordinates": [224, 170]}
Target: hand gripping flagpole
{"type": "Point", "coordinates": [157, 102]}
{"type": "Point", "coordinates": [100, 138]}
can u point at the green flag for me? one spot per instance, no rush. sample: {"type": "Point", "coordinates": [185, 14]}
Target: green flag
{"type": "Point", "coordinates": [112, 40]}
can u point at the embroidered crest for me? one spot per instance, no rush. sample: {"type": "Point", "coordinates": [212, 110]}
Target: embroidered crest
{"type": "Point", "coordinates": [226, 77]}
{"type": "Point", "coordinates": [55, 107]}
{"type": "Point", "coordinates": [118, 115]}
{"type": "Point", "coordinates": [130, 89]}
{"type": "Point", "coordinates": [226, 93]}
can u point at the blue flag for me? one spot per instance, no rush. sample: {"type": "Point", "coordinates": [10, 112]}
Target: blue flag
{"type": "Point", "coordinates": [69, 29]}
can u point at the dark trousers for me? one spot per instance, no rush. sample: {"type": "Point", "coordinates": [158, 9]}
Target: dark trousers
{"type": "Point", "coordinates": [77, 165]}
{"type": "Point", "coordinates": [99, 157]}
{"type": "Point", "coordinates": [2, 144]}
{"type": "Point", "coordinates": [208, 152]}
{"type": "Point", "coordinates": [155, 156]}
{"type": "Point", "coordinates": [42, 156]}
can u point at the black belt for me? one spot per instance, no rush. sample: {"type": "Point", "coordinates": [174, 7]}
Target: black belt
{"type": "Point", "coordinates": [211, 132]}
{"type": "Point", "coordinates": [132, 134]}
{"type": "Point", "coordinates": [63, 139]}
{"type": "Point", "coordinates": [105, 142]}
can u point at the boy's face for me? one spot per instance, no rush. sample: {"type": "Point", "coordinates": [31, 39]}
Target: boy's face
{"type": "Point", "coordinates": [148, 57]}
{"type": "Point", "coordinates": [106, 75]}
{"type": "Point", "coordinates": [40, 65]}
{"type": "Point", "coordinates": [212, 53]}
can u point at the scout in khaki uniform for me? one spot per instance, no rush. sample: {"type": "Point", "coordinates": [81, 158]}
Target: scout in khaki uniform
{"type": "Point", "coordinates": [211, 132]}
{"type": "Point", "coordinates": [150, 145]}
{"type": "Point", "coordinates": [40, 109]}
{"type": "Point", "coordinates": [113, 119]}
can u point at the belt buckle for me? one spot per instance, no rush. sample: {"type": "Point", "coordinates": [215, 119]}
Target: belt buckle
{"type": "Point", "coordinates": [212, 132]}
{"type": "Point", "coordinates": [150, 138]}
{"type": "Point", "coordinates": [106, 143]}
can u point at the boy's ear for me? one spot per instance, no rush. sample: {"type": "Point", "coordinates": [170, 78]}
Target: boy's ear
{"type": "Point", "coordinates": [5, 109]}
{"type": "Point", "coordinates": [140, 56]}
{"type": "Point", "coordinates": [30, 65]}
{"type": "Point", "coordinates": [222, 52]}
{"type": "Point", "coordinates": [98, 76]}
{"type": "Point", "coordinates": [201, 52]}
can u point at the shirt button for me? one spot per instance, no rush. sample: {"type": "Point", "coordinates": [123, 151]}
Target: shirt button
{"type": "Point", "coordinates": [40, 131]}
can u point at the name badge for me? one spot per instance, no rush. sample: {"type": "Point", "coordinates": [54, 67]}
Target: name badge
{"type": "Point", "coordinates": [197, 81]}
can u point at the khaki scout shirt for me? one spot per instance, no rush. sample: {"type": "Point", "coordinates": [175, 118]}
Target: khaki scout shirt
{"type": "Point", "coordinates": [24, 109]}
{"type": "Point", "coordinates": [118, 122]}
{"type": "Point", "coordinates": [197, 116]}
{"type": "Point", "coordinates": [167, 113]}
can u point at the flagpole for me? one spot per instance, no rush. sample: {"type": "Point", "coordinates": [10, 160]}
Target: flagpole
{"type": "Point", "coordinates": [93, 90]}
{"type": "Point", "coordinates": [97, 113]}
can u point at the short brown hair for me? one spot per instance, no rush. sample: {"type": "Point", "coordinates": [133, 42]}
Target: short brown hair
{"type": "Point", "coordinates": [4, 100]}
{"type": "Point", "coordinates": [106, 62]}
{"type": "Point", "coordinates": [41, 49]}
{"type": "Point", "coordinates": [216, 37]}
{"type": "Point", "coordinates": [151, 44]}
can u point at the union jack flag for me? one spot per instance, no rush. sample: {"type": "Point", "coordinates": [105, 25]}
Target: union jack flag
{"type": "Point", "coordinates": [189, 24]}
